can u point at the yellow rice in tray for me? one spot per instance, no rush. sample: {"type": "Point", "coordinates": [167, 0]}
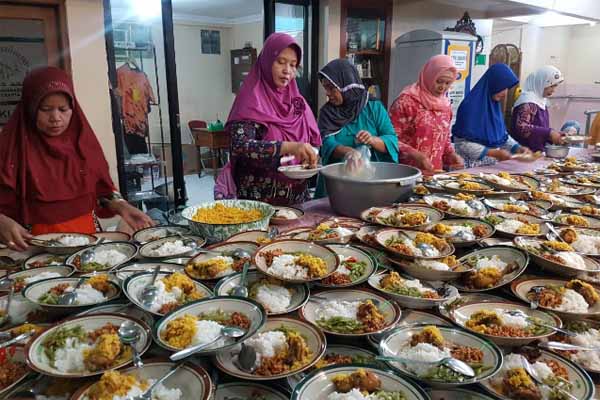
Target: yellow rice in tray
{"type": "Point", "coordinates": [221, 214]}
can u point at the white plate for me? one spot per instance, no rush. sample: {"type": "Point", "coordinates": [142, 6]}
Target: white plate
{"type": "Point", "coordinates": [298, 171]}
{"type": "Point", "coordinates": [128, 250]}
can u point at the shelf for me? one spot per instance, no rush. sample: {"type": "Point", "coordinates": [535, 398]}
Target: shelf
{"type": "Point", "coordinates": [366, 53]}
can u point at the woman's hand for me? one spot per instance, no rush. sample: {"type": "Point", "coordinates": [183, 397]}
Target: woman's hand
{"type": "Point", "coordinates": [364, 137]}
{"type": "Point", "coordinates": [13, 235]}
{"type": "Point", "coordinates": [523, 150]}
{"type": "Point", "coordinates": [455, 161]}
{"type": "Point", "coordinates": [422, 162]}
{"type": "Point", "coordinates": [556, 137]}
{"type": "Point", "coordinates": [134, 217]}
{"type": "Point", "coordinates": [303, 152]}
{"type": "Point", "coordinates": [499, 154]}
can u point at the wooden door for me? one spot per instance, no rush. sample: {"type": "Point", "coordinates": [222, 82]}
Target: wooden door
{"type": "Point", "coordinates": [31, 36]}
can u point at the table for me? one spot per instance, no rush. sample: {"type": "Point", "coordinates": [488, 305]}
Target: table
{"type": "Point", "coordinates": [215, 141]}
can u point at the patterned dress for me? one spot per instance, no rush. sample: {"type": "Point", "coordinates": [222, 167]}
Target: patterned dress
{"type": "Point", "coordinates": [421, 129]}
{"type": "Point", "coordinates": [530, 126]}
{"type": "Point", "coordinates": [255, 162]}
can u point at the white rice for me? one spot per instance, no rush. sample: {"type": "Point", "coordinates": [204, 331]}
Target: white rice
{"type": "Point", "coordinates": [284, 266]}
{"type": "Point", "coordinates": [494, 262]}
{"type": "Point", "coordinates": [40, 276]}
{"type": "Point", "coordinates": [542, 370]}
{"type": "Point", "coordinates": [587, 244]}
{"type": "Point", "coordinates": [460, 205]}
{"type": "Point", "coordinates": [287, 214]}
{"type": "Point", "coordinates": [422, 352]}
{"type": "Point", "coordinates": [572, 259]}
{"type": "Point", "coordinates": [267, 344]}
{"type": "Point", "coordinates": [69, 358]}
{"type": "Point", "coordinates": [572, 302]}
{"type": "Point", "coordinates": [87, 294]}
{"type": "Point", "coordinates": [415, 284]}
{"type": "Point", "coordinates": [354, 394]}
{"type": "Point", "coordinates": [74, 241]}
{"type": "Point", "coordinates": [467, 231]}
{"type": "Point", "coordinates": [343, 232]}
{"type": "Point", "coordinates": [589, 359]}
{"type": "Point", "coordinates": [274, 298]}
{"type": "Point", "coordinates": [434, 265]}
{"type": "Point", "coordinates": [206, 332]}
{"type": "Point", "coordinates": [497, 179]}
{"type": "Point", "coordinates": [169, 249]}
{"type": "Point", "coordinates": [416, 251]}
{"type": "Point", "coordinates": [342, 268]}
{"type": "Point", "coordinates": [509, 225]}
{"type": "Point", "coordinates": [512, 320]}
{"type": "Point", "coordinates": [109, 257]}
{"type": "Point", "coordinates": [163, 296]}
{"type": "Point", "coordinates": [160, 392]}
{"type": "Point", "coordinates": [338, 308]}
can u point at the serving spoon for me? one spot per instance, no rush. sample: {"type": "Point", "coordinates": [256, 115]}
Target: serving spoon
{"type": "Point", "coordinates": [241, 290]}
{"type": "Point", "coordinates": [226, 331]}
{"type": "Point", "coordinates": [69, 298]}
{"type": "Point", "coordinates": [150, 291]}
{"type": "Point", "coordinates": [519, 313]}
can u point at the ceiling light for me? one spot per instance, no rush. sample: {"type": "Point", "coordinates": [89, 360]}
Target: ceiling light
{"type": "Point", "coordinates": [549, 18]}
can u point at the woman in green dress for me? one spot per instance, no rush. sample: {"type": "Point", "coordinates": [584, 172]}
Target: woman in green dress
{"type": "Point", "coordinates": [350, 119]}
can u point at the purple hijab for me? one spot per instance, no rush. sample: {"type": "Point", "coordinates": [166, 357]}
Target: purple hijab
{"type": "Point", "coordinates": [283, 111]}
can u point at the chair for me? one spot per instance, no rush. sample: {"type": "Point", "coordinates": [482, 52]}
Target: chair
{"type": "Point", "coordinates": [198, 124]}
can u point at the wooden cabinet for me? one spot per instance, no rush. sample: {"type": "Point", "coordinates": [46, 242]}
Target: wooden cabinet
{"type": "Point", "coordinates": [365, 39]}
{"type": "Point", "coordinates": [242, 61]}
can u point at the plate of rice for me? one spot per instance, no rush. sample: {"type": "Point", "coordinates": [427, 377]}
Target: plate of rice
{"type": "Point", "coordinates": [559, 202]}
{"type": "Point", "coordinates": [420, 347]}
{"type": "Point", "coordinates": [248, 391]}
{"type": "Point", "coordinates": [96, 290]}
{"type": "Point", "coordinates": [356, 266]}
{"type": "Point", "coordinates": [277, 297]}
{"type": "Point", "coordinates": [171, 247]}
{"type": "Point", "coordinates": [201, 322]}
{"type": "Point", "coordinates": [189, 382]}
{"type": "Point", "coordinates": [459, 205]}
{"type": "Point", "coordinates": [536, 208]}
{"type": "Point", "coordinates": [351, 312]}
{"type": "Point", "coordinates": [514, 224]}
{"type": "Point", "coordinates": [494, 322]}
{"type": "Point", "coordinates": [296, 261]}
{"type": "Point", "coordinates": [584, 181]}
{"type": "Point", "coordinates": [356, 382]}
{"type": "Point", "coordinates": [84, 346]}
{"type": "Point", "coordinates": [462, 232]}
{"type": "Point", "coordinates": [511, 182]}
{"type": "Point", "coordinates": [570, 299]}
{"type": "Point", "coordinates": [408, 216]}
{"type": "Point", "coordinates": [174, 290]}
{"type": "Point", "coordinates": [210, 267]}
{"type": "Point", "coordinates": [44, 260]}
{"type": "Point", "coordinates": [328, 232]}
{"type": "Point", "coordinates": [558, 187]}
{"type": "Point", "coordinates": [105, 256]}
{"type": "Point", "coordinates": [125, 271]}
{"type": "Point", "coordinates": [286, 215]}
{"type": "Point", "coordinates": [407, 244]}
{"type": "Point", "coordinates": [584, 241]}
{"type": "Point", "coordinates": [24, 278]}
{"type": "Point", "coordinates": [68, 243]}
{"type": "Point", "coordinates": [576, 220]}
{"type": "Point", "coordinates": [467, 186]}
{"type": "Point", "coordinates": [588, 335]}
{"type": "Point", "coordinates": [153, 233]}
{"type": "Point", "coordinates": [283, 346]}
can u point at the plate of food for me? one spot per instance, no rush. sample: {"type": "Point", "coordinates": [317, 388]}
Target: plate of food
{"type": "Point", "coordinates": [463, 232]}
{"type": "Point", "coordinates": [154, 233]}
{"type": "Point", "coordinates": [283, 347]}
{"type": "Point", "coordinates": [511, 182]}
{"type": "Point", "coordinates": [559, 202]}
{"type": "Point", "coordinates": [356, 382]}
{"type": "Point", "coordinates": [356, 266]}
{"type": "Point", "coordinates": [44, 260]}
{"type": "Point", "coordinates": [557, 257]}
{"type": "Point", "coordinates": [190, 381]}
{"type": "Point", "coordinates": [571, 299]}
{"type": "Point", "coordinates": [445, 308]}
{"type": "Point", "coordinates": [13, 368]}
{"type": "Point", "coordinates": [584, 241]}
{"type": "Point", "coordinates": [367, 234]}
{"type": "Point", "coordinates": [113, 236]}
{"type": "Point", "coordinates": [286, 215]}
{"type": "Point", "coordinates": [227, 261]}
{"type": "Point", "coordinates": [584, 181]}
{"type": "Point", "coordinates": [171, 247]}
{"type": "Point", "coordinates": [411, 293]}
{"type": "Point", "coordinates": [588, 335]}
{"type": "Point", "coordinates": [24, 278]}
{"type": "Point", "coordinates": [248, 391]}
{"type": "Point", "coordinates": [20, 329]}
{"type": "Point", "coordinates": [558, 187]}
{"type": "Point", "coordinates": [514, 224]}
{"type": "Point", "coordinates": [590, 211]}
{"type": "Point", "coordinates": [408, 216]}
{"type": "Point", "coordinates": [296, 261]}
{"type": "Point", "coordinates": [515, 379]}
{"type": "Point", "coordinates": [125, 271]}
{"type": "Point", "coordinates": [440, 269]}
{"type": "Point", "coordinates": [84, 346]}
{"type": "Point", "coordinates": [370, 214]}
{"type": "Point", "coordinates": [62, 243]}
{"type": "Point", "coordinates": [277, 297]}
{"type": "Point", "coordinates": [93, 291]}
{"type": "Point", "coordinates": [466, 186]}
{"type": "Point", "coordinates": [201, 322]}
{"type": "Point", "coordinates": [506, 324]}
{"type": "Point", "coordinates": [327, 233]}
{"type": "Point", "coordinates": [460, 205]}
{"type": "Point", "coordinates": [536, 208]}
{"type": "Point", "coordinates": [577, 220]}
{"type": "Point", "coordinates": [350, 312]}
{"type": "Point", "coordinates": [102, 257]}
{"type": "Point", "coordinates": [421, 348]}
{"type": "Point", "coordinates": [491, 268]}
{"type": "Point", "coordinates": [174, 290]}
{"type": "Point", "coordinates": [571, 164]}
{"type": "Point", "coordinates": [413, 245]}
{"type": "Point", "coordinates": [299, 171]}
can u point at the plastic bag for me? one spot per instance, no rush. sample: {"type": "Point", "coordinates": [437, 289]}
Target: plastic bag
{"type": "Point", "coordinates": [357, 163]}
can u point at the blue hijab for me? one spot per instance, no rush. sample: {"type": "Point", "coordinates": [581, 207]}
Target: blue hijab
{"type": "Point", "coordinates": [479, 118]}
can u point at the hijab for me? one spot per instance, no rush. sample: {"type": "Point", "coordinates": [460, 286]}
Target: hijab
{"type": "Point", "coordinates": [344, 76]}
{"type": "Point", "coordinates": [283, 111]}
{"type": "Point", "coordinates": [54, 179]}
{"type": "Point", "coordinates": [423, 89]}
{"type": "Point", "coordinates": [479, 118]}
{"type": "Point", "coordinates": [536, 82]}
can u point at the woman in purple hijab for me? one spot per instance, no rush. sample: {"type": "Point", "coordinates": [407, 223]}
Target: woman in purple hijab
{"type": "Point", "coordinates": [269, 119]}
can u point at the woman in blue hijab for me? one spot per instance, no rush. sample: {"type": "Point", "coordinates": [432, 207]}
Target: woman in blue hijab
{"type": "Point", "coordinates": [479, 134]}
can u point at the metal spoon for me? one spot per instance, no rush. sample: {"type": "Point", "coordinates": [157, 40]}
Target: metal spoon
{"type": "Point", "coordinates": [568, 346]}
{"type": "Point", "coordinates": [87, 256]}
{"type": "Point", "coordinates": [189, 242]}
{"type": "Point", "coordinates": [537, 290]}
{"type": "Point", "coordinates": [554, 231]}
{"type": "Point", "coordinates": [527, 366]}
{"type": "Point", "coordinates": [17, 339]}
{"type": "Point", "coordinates": [241, 290]}
{"type": "Point", "coordinates": [519, 313]}
{"type": "Point", "coordinates": [150, 291]}
{"type": "Point", "coordinates": [453, 363]}
{"type": "Point", "coordinates": [226, 331]}
{"type": "Point", "coordinates": [129, 334]}
{"type": "Point", "coordinates": [147, 395]}
{"type": "Point", "coordinates": [246, 359]}
{"type": "Point", "coordinates": [69, 298]}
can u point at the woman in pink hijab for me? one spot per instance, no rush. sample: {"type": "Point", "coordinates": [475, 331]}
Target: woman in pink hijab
{"type": "Point", "coordinates": [422, 118]}
{"type": "Point", "coordinates": [269, 120]}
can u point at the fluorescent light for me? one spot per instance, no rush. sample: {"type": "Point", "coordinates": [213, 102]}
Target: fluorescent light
{"type": "Point", "coordinates": [146, 9]}
{"type": "Point", "coordinates": [549, 18]}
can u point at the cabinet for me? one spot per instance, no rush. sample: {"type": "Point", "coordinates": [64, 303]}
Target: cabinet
{"type": "Point", "coordinates": [242, 61]}
{"type": "Point", "coordinates": [365, 40]}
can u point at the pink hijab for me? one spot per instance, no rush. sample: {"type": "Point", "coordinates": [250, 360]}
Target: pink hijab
{"type": "Point", "coordinates": [423, 89]}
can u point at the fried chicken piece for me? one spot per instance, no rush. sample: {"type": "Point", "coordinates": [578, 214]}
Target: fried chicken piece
{"type": "Point", "coordinates": [483, 278]}
{"type": "Point", "coordinates": [370, 316]}
{"type": "Point", "coordinates": [429, 334]}
{"type": "Point", "coordinates": [480, 231]}
{"type": "Point", "coordinates": [585, 289]}
{"type": "Point", "coordinates": [100, 283]}
{"type": "Point", "coordinates": [568, 235]}
{"type": "Point", "coordinates": [270, 255]}
{"type": "Point", "coordinates": [104, 353]}
{"type": "Point", "coordinates": [362, 380]}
